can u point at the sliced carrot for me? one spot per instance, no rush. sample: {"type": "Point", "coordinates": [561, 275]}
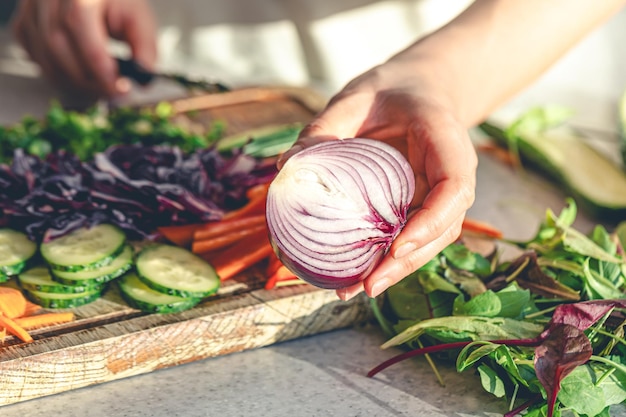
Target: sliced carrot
{"type": "Point", "coordinates": [273, 263]}
{"type": "Point", "coordinates": [180, 235]}
{"type": "Point", "coordinates": [242, 255]}
{"type": "Point", "coordinates": [183, 235]}
{"type": "Point", "coordinates": [281, 274]}
{"type": "Point", "coordinates": [257, 197]}
{"type": "Point", "coordinates": [481, 228]}
{"type": "Point", "coordinates": [259, 190]}
{"type": "Point", "coordinates": [219, 242]}
{"type": "Point", "coordinates": [270, 284]}
{"type": "Point", "coordinates": [12, 302]}
{"type": "Point", "coordinates": [31, 308]}
{"type": "Point", "coordinates": [253, 206]}
{"type": "Point", "coordinates": [15, 329]}
{"type": "Point", "coordinates": [44, 319]}
{"type": "Point", "coordinates": [215, 229]}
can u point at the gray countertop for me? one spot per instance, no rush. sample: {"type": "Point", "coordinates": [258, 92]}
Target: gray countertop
{"type": "Point", "coordinates": [322, 375]}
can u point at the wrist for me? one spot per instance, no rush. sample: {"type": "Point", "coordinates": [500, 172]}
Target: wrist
{"type": "Point", "coordinates": [432, 78]}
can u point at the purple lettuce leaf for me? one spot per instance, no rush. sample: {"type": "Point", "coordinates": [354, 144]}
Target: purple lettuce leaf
{"type": "Point", "coordinates": [139, 188]}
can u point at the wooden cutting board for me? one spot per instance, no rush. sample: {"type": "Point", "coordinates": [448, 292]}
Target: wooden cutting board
{"type": "Point", "coordinates": [109, 340]}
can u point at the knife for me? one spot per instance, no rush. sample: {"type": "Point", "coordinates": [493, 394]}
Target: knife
{"type": "Point", "coordinates": [135, 71]}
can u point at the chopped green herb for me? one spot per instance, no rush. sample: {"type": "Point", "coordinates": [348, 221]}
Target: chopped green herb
{"type": "Point", "coordinates": [86, 133]}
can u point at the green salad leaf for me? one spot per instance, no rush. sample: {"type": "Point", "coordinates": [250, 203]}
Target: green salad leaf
{"type": "Point", "coordinates": [544, 329]}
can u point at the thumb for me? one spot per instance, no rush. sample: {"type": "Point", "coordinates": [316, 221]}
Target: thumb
{"type": "Point", "coordinates": [300, 144]}
{"type": "Point", "coordinates": [338, 120]}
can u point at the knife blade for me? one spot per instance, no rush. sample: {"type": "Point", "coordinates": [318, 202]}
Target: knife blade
{"type": "Point", "coordinates": [135, 71]}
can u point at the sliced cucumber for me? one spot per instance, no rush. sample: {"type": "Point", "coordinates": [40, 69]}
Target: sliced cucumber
{"type": "Point", "coordinates": [39, 279]}
{"type": "Point", "coordinates": [596, 183]}
{"type": "Point", "coordinates": [176, 271]}
{"type": "Point", "coordinates": [90, 277]}
{"type": "Point", "coordinates": [138, 295]}
{"type": "Point", "coordinates": [15, 249]}
{"type": "Point", "coordinates": [84, 249]}
{"type": "Point", "coordinates": [52, 300]}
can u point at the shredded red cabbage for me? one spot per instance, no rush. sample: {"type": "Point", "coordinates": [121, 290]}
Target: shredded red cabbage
{"type": "Point", "coordinates": [139, 188]}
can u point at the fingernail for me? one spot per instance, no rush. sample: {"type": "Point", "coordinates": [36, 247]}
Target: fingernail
{"type": "Point", "coordinates": [290, 152]}
{"type": "Point", "coordinates": [404, 250]}
{"type": "Point", "coordinates": [123, 85]}
{"type": "Point", "coordinates": [379, 287]}
{"type": "Point", "coordinates": [346, 294]}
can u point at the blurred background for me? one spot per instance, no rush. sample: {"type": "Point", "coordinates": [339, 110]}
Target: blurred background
{"type": "Point", "coordinates": [322, 44]}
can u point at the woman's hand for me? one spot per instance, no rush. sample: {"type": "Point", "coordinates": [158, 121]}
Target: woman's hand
{"type": "Point", "coordinates": [69, 39]}
{"type": "Point", "coordinates": [424, 98]}
{"type": "Point", "coordinates": [392, 103]}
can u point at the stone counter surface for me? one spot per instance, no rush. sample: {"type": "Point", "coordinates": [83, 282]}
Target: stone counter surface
{"type": "Point", "coordinates": [317, 376]}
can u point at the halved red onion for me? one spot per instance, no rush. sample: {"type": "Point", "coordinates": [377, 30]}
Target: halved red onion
{"type": "Point", "coordinates": [334, 209]}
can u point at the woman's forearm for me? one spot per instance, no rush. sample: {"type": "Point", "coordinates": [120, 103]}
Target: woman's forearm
{"type": "Point", "coordinates": [497, 47]}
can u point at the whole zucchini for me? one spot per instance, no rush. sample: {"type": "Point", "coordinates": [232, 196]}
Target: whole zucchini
{"type": "Point", "coordinates": [596, 183]}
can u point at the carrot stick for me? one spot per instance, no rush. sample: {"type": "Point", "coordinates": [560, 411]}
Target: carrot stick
{"type": "Point", "coordinates": [259, 190]}
{"type": "Point", "coordinates": [45, 319]}
{"type": "Point", "coordinates": [273, 264]}
{"type": "Point", "coordinates": [481, 228]}
{"type": "Point", "coordinates": [12, 302]}
{"type": "Point", "coordinates": [221, 227]}
{"type": "Point", "coordinates": [255, 205]}
{"type": "Point", "coordinates": [15, 329]}
{"type": "Point", "coordinates": [206, 245]}
{"type": "Point", "coordinates": [257, 195]}
{"type": "Point", "coordinates": [270, 284]}
{"type": "Point", "coordinates": [183, 235]}
{"type": "Point", "coordinates": [281, 274]}
{"type": "Point", "coordinates": [31, 308]}
{"type": "Point", "coordinates": [242, 255]}
{"type": "Point", "coordinates": [180, 235]}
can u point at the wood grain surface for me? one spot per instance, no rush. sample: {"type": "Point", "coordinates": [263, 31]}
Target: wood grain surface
{"type": "Point", "coordinates": [109, 340]}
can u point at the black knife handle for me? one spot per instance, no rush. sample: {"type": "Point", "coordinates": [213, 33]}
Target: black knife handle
{"type": "Point", "coordinates": [133, 70]}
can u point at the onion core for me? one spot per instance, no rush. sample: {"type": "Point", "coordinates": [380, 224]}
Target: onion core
{"type": "Point", "coordinates": [334, 209]}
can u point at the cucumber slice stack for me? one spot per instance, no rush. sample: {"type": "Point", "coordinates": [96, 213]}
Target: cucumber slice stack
{"type": "Point", "coordinates": [90, 277]}
{"type": "Point", "coordinates": [15, 251]}
{"type": "Point", "coordinates": [40, 288]}
{"type": "Point", "coordinates": [176, 271]}
{"type": "Point", "coordinates": [138, 295]}
{"type": "Point", "coordinates": [85, 249]}
{"type": "Point", "coordinates": [77, 267]}
{"type": "Point", "coordinates": [39, 279]}
{"type": "Point", "coordinates": [168, 279]}
{"type": "Point", "coordinates": [75, 270]}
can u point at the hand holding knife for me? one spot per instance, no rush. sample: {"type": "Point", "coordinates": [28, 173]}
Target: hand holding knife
{"type": "Point", "coordinates": [135, 71]}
